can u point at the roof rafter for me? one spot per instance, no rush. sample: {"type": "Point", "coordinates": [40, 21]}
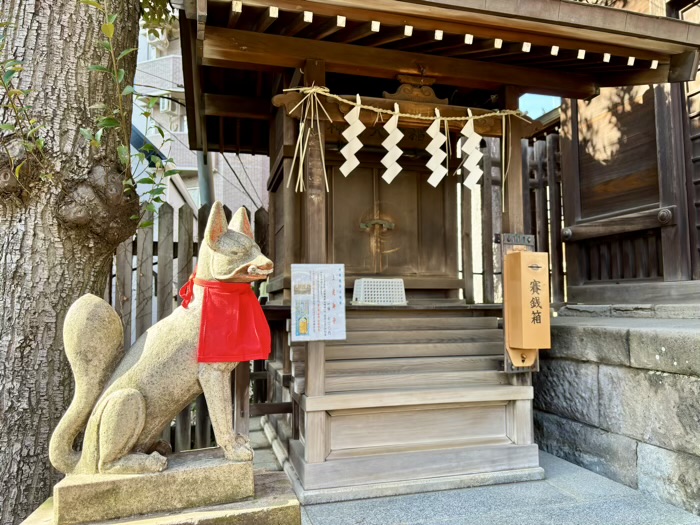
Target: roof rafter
{"type": "Point", "coordinates": [233, 48]}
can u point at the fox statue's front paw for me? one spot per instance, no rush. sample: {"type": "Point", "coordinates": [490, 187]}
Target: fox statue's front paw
{"type": "Point", "coordinates": [156, 462]}
{"type": "Point", "coordinates": [239, 450]}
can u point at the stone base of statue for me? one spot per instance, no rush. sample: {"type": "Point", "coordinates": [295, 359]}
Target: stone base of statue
{"type": "Point", "coordinates": [197, 487]}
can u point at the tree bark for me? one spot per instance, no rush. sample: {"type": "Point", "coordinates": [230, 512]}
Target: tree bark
{"type": "Point", "coordinates": [56, 236]}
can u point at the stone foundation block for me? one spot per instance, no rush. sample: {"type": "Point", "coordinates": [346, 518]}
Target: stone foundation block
{"type": "Point", "coordinates": [653, 407]}
{"type": "Point", "coordinates": [585, 342]}
{"type": "Point", "coordinates": [584, 310]}
{"type": "Point", "coordinates": [610, 455]}
{"type": "Point", "coordinates": [569, 389]}
{"type": "Point", "coordinates": [672, 349]}
{"type": "Point", "coordinates": [192, 479]}
{"type": "Point", "coordinates": [677, 311]}
{"type": "Point", "coordinates": [671, 476]}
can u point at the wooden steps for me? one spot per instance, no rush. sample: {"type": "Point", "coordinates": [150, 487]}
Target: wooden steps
{"type": "Point", "coordinates": [403, 349]}
{"type": "Point", "coordinates": [419, 336]}
{"type": "Point", "coordinates": [421, 323]}
{"type": "Point", "coordinates": [416, 396]}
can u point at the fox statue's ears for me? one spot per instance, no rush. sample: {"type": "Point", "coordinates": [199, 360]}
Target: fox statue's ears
{"type": "Point", "coordinates": [217, 227]}
{"type": "Point", "coordinates": [241, 224]}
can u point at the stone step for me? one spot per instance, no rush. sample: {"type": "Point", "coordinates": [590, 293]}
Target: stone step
{"type": "Point", "coordinates": [666, 345]}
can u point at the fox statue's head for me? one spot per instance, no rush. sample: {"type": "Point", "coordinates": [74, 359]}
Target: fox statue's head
{"type": "Point", "coordinates": [228, 252]}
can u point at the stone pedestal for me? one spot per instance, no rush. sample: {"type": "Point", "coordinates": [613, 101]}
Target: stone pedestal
{"type": "Point", "coordinates": [192, 479]}
{"type": "Point", "coordinates": [274, 504]}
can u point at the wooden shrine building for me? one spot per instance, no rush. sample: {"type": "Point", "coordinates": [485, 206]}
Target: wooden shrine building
{"type": "Point", "coordinates": [420, 392]}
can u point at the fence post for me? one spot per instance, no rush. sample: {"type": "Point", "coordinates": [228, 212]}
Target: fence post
{"type": "Point", "coordinates": [122, 301]}
{"type": "Point", "coordinates": [144, 280]}
{"type": "Point", "coordinates": [185, 254]}
{"type": "Point", "coordinates": [556, 252]}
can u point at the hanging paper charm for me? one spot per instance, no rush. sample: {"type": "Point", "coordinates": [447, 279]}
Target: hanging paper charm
{"type": "Point", "coordinates": [391, 146]}
{"type": "Point", "coordinates": [352, 135]}
{"type": "Point", "coordinates": [438, 156]}
{"type": "Point", "coordinates": [472, 154]}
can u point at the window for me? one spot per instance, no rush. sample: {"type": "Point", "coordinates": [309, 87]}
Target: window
{"type": "Point", "coordinates": [194, 193]}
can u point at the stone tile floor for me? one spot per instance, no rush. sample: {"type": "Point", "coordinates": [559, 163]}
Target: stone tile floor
{"type": "Point", "coordinates": [570, 495]}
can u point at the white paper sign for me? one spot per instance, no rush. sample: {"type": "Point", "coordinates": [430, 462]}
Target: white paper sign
{"type": "Point", "coordinates": [318, 302]}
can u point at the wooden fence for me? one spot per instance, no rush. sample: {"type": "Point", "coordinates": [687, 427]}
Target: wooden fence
{"type": "Point", "coordinates": [482, 216]}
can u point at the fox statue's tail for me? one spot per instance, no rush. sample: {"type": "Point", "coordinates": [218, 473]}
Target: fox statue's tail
{"type": "Point", "coordinates": [93, 338]}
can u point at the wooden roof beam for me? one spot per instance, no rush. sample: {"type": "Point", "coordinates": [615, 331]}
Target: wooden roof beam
{"type": "Point", "coordinates": [389, 36]}
{"type": "Point", "coordinates": [234, 14]}
{"type": "Point", "coordinates": [483, 46]}
{"type": "Point", "coordinates": [301, 21]}
{"type": "Point", "coordinates": [328, 28]}
{"type": "Point", "coordinates": [267, 18]}
{"type": "Point", "coordinates": [232, 106]}
{"type": "Point", "coordinates": [363, 30]}
{"type": "Point", "coordinates": [456, 22]}
{"type": "Point", "coordinates": [242, 49]}
{"type": "Point", "coordinates": [576, 20]}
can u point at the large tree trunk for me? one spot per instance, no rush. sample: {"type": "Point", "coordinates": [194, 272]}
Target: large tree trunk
{"type": "Point", "coordinates": [56, 237]}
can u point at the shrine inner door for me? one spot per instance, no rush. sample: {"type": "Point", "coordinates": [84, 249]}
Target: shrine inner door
{"type": "Point", "coordinates": [405, 229]}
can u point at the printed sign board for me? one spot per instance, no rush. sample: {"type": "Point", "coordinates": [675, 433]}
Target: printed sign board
{"type": "Point", "coordinates": [318, 302]}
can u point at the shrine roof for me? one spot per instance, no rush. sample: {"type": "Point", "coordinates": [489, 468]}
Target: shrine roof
{"type": "Point", "coordinates": [558, 47]}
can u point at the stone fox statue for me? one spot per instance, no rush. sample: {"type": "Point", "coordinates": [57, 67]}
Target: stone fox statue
{"type": "Point", "coordinates": [124, 399]}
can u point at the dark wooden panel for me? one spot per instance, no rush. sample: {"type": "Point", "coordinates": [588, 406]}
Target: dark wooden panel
{"type": "Point", "coordinates": [398, 203]}
{"type": "Point", "coordinates": [617, 151]}
{"type": "Point", "coordinates": [432, 228]}
{"type": "Point", "coordinates": [352, 199]}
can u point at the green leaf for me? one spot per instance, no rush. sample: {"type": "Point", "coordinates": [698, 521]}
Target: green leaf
{"type": "Point", "coordinates": [126, 52]}
{"type": "Point", "coordinates": [111, 18]}
{"type": "Point", "coordinates": [108, 30]}
{"type": "Point", "coordinates": [157, 191]}
{"type": "Point", "coordinates": [40, 144]}
{"type": "Point", "coordinates": [33, 131]}
{"type": "Point", "coordinates": [146, 224]}
{"type": "Point", "coordinates": [128, 90]}
{"type": "Point", "coordinates": [120, 76]}
{"type": "Point", "coordinates": [108, 122]}
{"type": "Point", "coordinates": [146, 180]}
{"type": "Point", "coordinates": [169, 173]}
{"type": "Point", "coordinates": [98, 135]}
{"type": "Point", "coordinates": [86, 133]}
{"type": "Point", "coordinates": [160, 131]}
{"type": "Point", "coordinates": [7, 127]}
{"type": "Point", "coordinates": [7, 76]}
{"type": "Point", "coordinates": [92, 3]}
{"type": "Point", "coordinates": [106, 44]}
{"type": "Point", "coordinates": [123, 153]}
{"type": "Point", "coordinates": [99, 68]}
{"type": "Point", "coordinates": [152, 102]}
{"type": "Point", "coordinates": [151, 207]}
{"type": "Point", "coordinates": [18, 168]}
{"type": "Point", "coordinates": [99, 106]}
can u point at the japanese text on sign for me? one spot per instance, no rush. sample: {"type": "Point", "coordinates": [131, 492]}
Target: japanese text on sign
{"type": "Point", "coordinates": [318, 302]}
{"type": "Point", "coordinates": [535, 302]}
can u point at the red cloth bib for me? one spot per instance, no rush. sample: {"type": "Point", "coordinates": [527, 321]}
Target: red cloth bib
{"type": "Point", "coordinates": [233, 327]}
